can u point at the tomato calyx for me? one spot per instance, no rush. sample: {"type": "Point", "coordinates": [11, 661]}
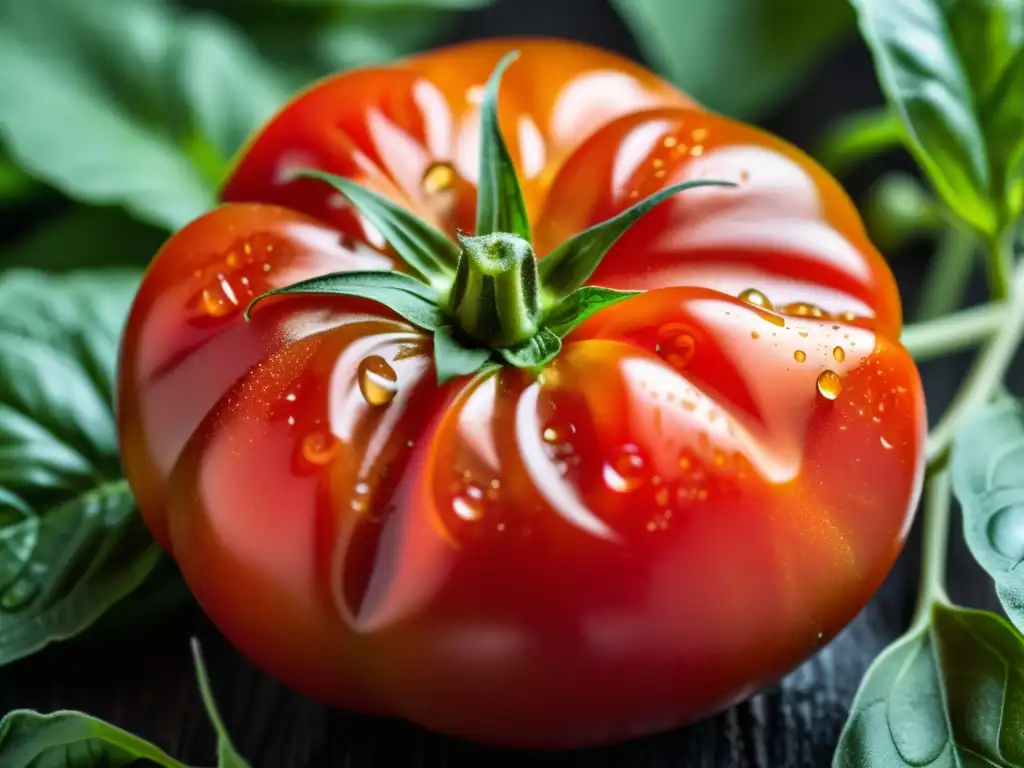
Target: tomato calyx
{"type": "Point", "coordinates": [487, 299]}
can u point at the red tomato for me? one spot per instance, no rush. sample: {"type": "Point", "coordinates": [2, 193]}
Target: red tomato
{"type": "Point", "coordinates": [697, 494]}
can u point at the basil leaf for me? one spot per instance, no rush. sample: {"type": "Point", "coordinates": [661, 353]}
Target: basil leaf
{"type": "Point", "coordinates": [858, 136]}
{"type": "Point", "coordinates": [535, 352]}
{"type": "Point", "coordinates": [128, 103]}
{"type": "Point", "coordinates": [500, 206]}
{"type": "Point", "coordinates": [570, 264]}
{"type": "Point", "coordinates": [737, 57]}
{"type": "Point", "coordinates": [414, 241]}
{"type": "Point", "coordinates": [947, 694]}
{"type": "Point", "coordinates": [72, 740]}
{"type": "Point", "coordinates": [405, 295]}
{"type": "Point", "coordinates": [69, 739]}
{"type": "Point", "coordinates": [451, 359]}
{"type": "Point", "coordinates": [988, 481]}
{"type": "Point", "coordinates": [72, 544]}
{"type": "Point", "coordinates": [99, 237]}
{"type": "Point", "coordinates": [954, 72]}
{"type": "Point", "coordinates": [227, 755]}
{"type": "Point", "coordinates": [580, 305]}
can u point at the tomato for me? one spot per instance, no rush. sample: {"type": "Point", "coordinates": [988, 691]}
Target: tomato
{"type": "Point", "coordinates": [703, 487]}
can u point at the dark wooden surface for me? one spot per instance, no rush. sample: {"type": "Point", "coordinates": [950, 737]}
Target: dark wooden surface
{"type": "Point", "coordinates": [142, 679]}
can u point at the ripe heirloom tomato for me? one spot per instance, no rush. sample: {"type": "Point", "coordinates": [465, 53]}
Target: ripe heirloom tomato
{"type": "Point", "coordinates": [627, 530]}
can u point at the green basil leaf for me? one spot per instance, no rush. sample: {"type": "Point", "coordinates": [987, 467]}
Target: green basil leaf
{"type": "Point", "coordinates": [72, 544]}
{"type": "Point", "coordinates": [72, 740]}
{"type": "Point", "coordinates": [451, 359]}
{"type": "Point", "coordinates": [97, 237]}
{"type": "Point", "coordinates": [954, 72]}
{"type": "Point", "coordinates": [227, 755]}
{"type": "Point", "coordinates": [948, 694]}
{"type": "Point", "coordinates": [569, 265]}
{"type": "Point", "coordinates": [67, 739]}
{"type": "Point", "coordinates": [987, 466]}
{"type": "Point", "coordinates": [414, 241]}
{"type": "Point", "coordinates": [500, 206]}
{"type": "Point", "coordinates": [579, 305]}
{"type": "Point", "coordinates": [407, 296]}
{"type": "Point", "coordinates": [128, 103]}
{"type": "Point", "coordinates": [736, 56]}
{"type": "Point", "coordinates": [858, 136]}
{"type": "Point", "coordinates": [535, 352]}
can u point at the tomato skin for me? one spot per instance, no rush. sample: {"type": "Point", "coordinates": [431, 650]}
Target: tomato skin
{"type": "Point", "coordinates": [692, 498]}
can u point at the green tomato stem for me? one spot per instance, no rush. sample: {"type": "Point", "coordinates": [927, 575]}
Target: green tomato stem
{"type": "Point", "coordinates": [934, 545]}
{"type": "Point", "coordinates": [946, 280]}
{"type": "Point", "coordinates": [952, 333]}
{"type": "Point", "coordinates": [985, 376]}
{"type": "Point", "coordinates": [495, 298]}
{"type": "Point", "coordinates": [1000, 264]}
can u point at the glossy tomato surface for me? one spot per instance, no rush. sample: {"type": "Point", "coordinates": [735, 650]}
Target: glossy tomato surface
{"type": "Point", "coordinates": [698, 493]}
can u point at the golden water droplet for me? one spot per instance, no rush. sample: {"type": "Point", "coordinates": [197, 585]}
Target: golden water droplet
{"type": "Point", "coordinates": [670, 141]}
{"type": "Point", "coordinates": [219, 299]}
{"type": "Point", "coordinates": [755, 335]}
{"type": "Point", "coordinates": [719, 458]}
{"type": "Point", "coordinates": [803, 309]}
{"type": "Point", "coordinates": [438, 177]}
{"type": "Point", "coordinates": [775, 319]}
{"type": "Point", "coordinates": [755, 297]}
{"type": "Point", "coordinates": [625, 472]}
{"type": "Point", "coordinates": [800, 356]}
{"type": "Point", "coordinates": [699, 134]}
{"type": "Point", "coordinates": [697, 151]}
{"type": "Point", "coordinates": [467, 508]}
{"type": "Point", "coordinates": [675, 345]}
{"type": "Point", "coordinates": [319, 447]}
{"type": "Point", "coordinates": [550, 435]}
{"type": "Point", "coordinates": [657, 162]}
{"type": "Point", "coordinates": [839, 354]}
{"type": "Point", "coordinates": [829, 384]}
{"type": "Point", "coordinates": [846, 317]}
{"type": "Point", "coordinates": [232, 259]}
{"type": "Point", "coordinates": [377, 380]}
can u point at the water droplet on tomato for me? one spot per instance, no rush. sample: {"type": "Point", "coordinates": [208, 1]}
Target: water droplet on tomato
{"type": "Point", "coordinates": [670, 141]}
{"type": "Point", "coordinates": [319, 447]}
{"type": "Point", "coordinates": [800, 356]}
{"type": "Point", "coordinates": [467, 507]}
{"type": "Point", "coordinates": [777, 320]}
{"type": "Point", "coordinates": [755, 297]}
{"type": "Point", "coordinates": [755, 335]}
{"type": "Point", "coordinates": [550, 435]}
{"type": "Point", "coordinates": [438, 178]}
{"type": "Point", "coordinates": [377, 380]}
{"type": "Point", "coordinates": [626, 471]}
{"type": "Point", "coordinates": [839, 354]}
{"type": "Point", "coordinates": [1006, 531]}
{"type": "Point", "coordinates": [803, 309]}
{"type": "Point", "coordinates": [829, 384]}
{"type": "Point", "coordinates": [846, 317]}
{"type": "Point", "coordinates": [219, 298]}
{"type": "Point", "coordinates": [885, 443]}
{"type": "Point", "coordinates": [675, 345]}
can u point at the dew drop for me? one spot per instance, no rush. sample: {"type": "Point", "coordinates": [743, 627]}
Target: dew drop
{"type": "Point", "coordinates": [625, 472]}
{"type": "Point", "coordinates": [550, 435]}
{"type": "Point", "coordinates": [775, 319]}
{"type": "Point", "coordinates": [803, 309]}
{"type": "Point", "coordinates": [839, 354]}
{"type": "Point", "coordinates": [670, 141]}
{"type": "Point", "coordinates": [377, 380]}
{"type": "Point", "coordinates": [846, 317]}
{"type": "Point", "coordinates": [755, 297]}
{"type": "Point", "coordinates": [319, 447]}
{"type": "Point", "coordinates": [467, 508]}
{"type": "Point", "coordinates": [232, 260]}
{"type": "Point", "coordinates": [719, 458]}
{"type": "Point", "coordinates": [438, 178]}
{"type": "Point", "coordinates": [800, 356]}
{"type": "Point", "coordinates": [829, 384]}
{"type": "Point", "coordinates": [219, 299]}
{"type": "Point", "coordinates": [1006, 531]}
{"type": "Point", "coordinates": [755, 335]}
{"type": "Point", "coordinates": [675, 345]}
{"type": "Point", "coordinates": [885, 443]}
